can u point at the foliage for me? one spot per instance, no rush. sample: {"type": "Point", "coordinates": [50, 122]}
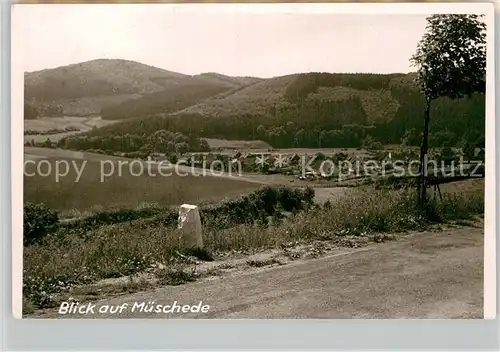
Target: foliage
{"type": "Point", "coordinates": [30, 112]}
{"type": "Point", "coordinates": [169, 100]}
{"type": "Point", "coordinates": [451, 62]}
{"type": "Point", "coordinates": [51, 131]}
{"type": "Point", "coordinates": [451, 57]}
{"type": "Point", "coordinates": [442, 138]}
{"type": "Point", "coordinates": [328, 123]}
{"type": "Point", "coordinates": [161, 141]}
{"type": "Point", "coordinates": [257, 206]}
{"type": "Point", "coordinates": [370, 143]}
{"type": "Point", "coordinates": [115, 217]}
{"type": "Point", "coordinates": [309, 82]}
{"type": "Point", "coordinates": [38, 221]}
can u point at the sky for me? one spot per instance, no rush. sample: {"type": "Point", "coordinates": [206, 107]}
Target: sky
{"type": "Point", "coordinates": [233, 43]}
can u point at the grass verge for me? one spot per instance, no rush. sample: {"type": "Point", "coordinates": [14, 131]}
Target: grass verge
{"type": "Point", "coordinates": [60, 262]}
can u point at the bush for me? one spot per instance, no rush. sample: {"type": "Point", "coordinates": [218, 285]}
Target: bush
{"type": "Point", "coordinates": [38, 221]}
{"type": "Point", "coordinates": [117, 216]}
{"type": "Point", "coordinates": [256, 207]}
{"type": "Point", "coordinates": [320, 157]}
{"type": "Point", "coordinates": [394, 182]}
{"type": "Point", "coordinates": [173, 158]}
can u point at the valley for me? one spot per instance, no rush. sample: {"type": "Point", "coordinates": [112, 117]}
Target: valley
{"type": "Point", "coordinates": [275, 165]}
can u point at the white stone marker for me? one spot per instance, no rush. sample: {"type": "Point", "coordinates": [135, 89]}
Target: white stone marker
{"type": "Point", "coordinates": [190, 226]}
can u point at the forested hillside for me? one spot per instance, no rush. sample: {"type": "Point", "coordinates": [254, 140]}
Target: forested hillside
{"type": "Point", "coordinates": [118, 89]}
{"type": "Point", "coordinates": [168, 100]}
{"type": "Point", "coordinates": [97, 78]}
{"type": "Point", "coordinates": [321, 110]}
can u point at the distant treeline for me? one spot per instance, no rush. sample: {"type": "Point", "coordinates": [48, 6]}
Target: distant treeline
{"type": "Point", "coordinates": [171, 99]}
{"type": "Point", "coordinates": [307, 83]}
{"type": "Point", "coordinates": [47, 109]}
{"type": "Point", "coordinates": [30, 112]}
{"type": "Point", "coordinates": [161, 141]}
{"type": "Point", "coordinates": [51, 131]}
{"type": "Point", "coordinates": [307, 127]}
{"type": "Point", "coordinates": [312, 123]}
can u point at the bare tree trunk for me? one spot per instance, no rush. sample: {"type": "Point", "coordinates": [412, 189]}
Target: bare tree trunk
{"type": "Point", "coordinates": [423, 155]}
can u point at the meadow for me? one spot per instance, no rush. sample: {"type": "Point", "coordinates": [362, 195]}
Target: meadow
{"type": "Point", "coordinates": [232, 145]}
{"type": "Point", "coordinates": [64, 261]}
{"type": "Point", "coordinates": [80, 124]}
{"type": "Point", "coordinates": [127, 191]}
{"type": "Point", "coordinates": [126, 225]}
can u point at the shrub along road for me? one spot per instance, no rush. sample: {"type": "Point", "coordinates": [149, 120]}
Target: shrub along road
{"type": "Point", "coordinates": [425, 275]}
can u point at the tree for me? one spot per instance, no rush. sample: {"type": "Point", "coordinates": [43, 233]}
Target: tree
{"type": "Point", "coordinates": [323, 135]}
{"type": "Point", "coordinates": [451, 62]}
{"type": "Point", "coordinates": [261, 132]}
{"type": "Point", "coordinates": [442, 138]}
{"type": "Point", "coordinates": [30, 112]}
{"type": "Point", "coordinates": [181, 147]}
{"type": "Point", "coordinates": [47, 143]}
{"type": "Point", "coordinates": [411, 137]}
{"type": "Point", "coordinates": [204, 146]}
{"type": "Point", "coordinates": [39, 220]}
{"type": "Point", "coordinates": [370, 143]}
{"type": "Point", "coordinates": [299, 138]}
{"type": "Point", "coordinates": [446, 154]}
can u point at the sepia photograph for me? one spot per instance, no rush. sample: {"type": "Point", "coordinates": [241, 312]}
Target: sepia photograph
{"type": "Point", "coordinates": [253, 161]}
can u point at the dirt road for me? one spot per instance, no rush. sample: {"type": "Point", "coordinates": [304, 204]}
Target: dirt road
{"type": "Point", "coordinates": [426, 275]}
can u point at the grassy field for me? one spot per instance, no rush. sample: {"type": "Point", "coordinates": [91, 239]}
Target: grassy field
{"type": "Point", "coordinates": [47, 123]}
{"type": "Point", "coordinates": [75, 256]}
{"type": "Point", "coordinates": [64, 153]}
{"type": "Point", "coordinates": [362, 216]}
{"type": "Point", "coordinates": [235, 145]}
{"type": "Point", "coordinates": [125, 191]}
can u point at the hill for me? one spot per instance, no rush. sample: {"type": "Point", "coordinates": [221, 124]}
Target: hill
{"type": "Point", "coordinates": [171, 99]}
{"type": "Point", "coordinates": [256, 98]}
{"type": "Point", "coordinates": [372, 91]}
{"type": "Point", "coordinates": [321, 110]}
{"type": "Point", "coordinates": [100, 77]}
{"type": "Point", "coordinates": [192, 90]}
{"type": "Point", "coordinates": [214, 77]}
{"type": "Point", "coordinates": [85, 89]}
